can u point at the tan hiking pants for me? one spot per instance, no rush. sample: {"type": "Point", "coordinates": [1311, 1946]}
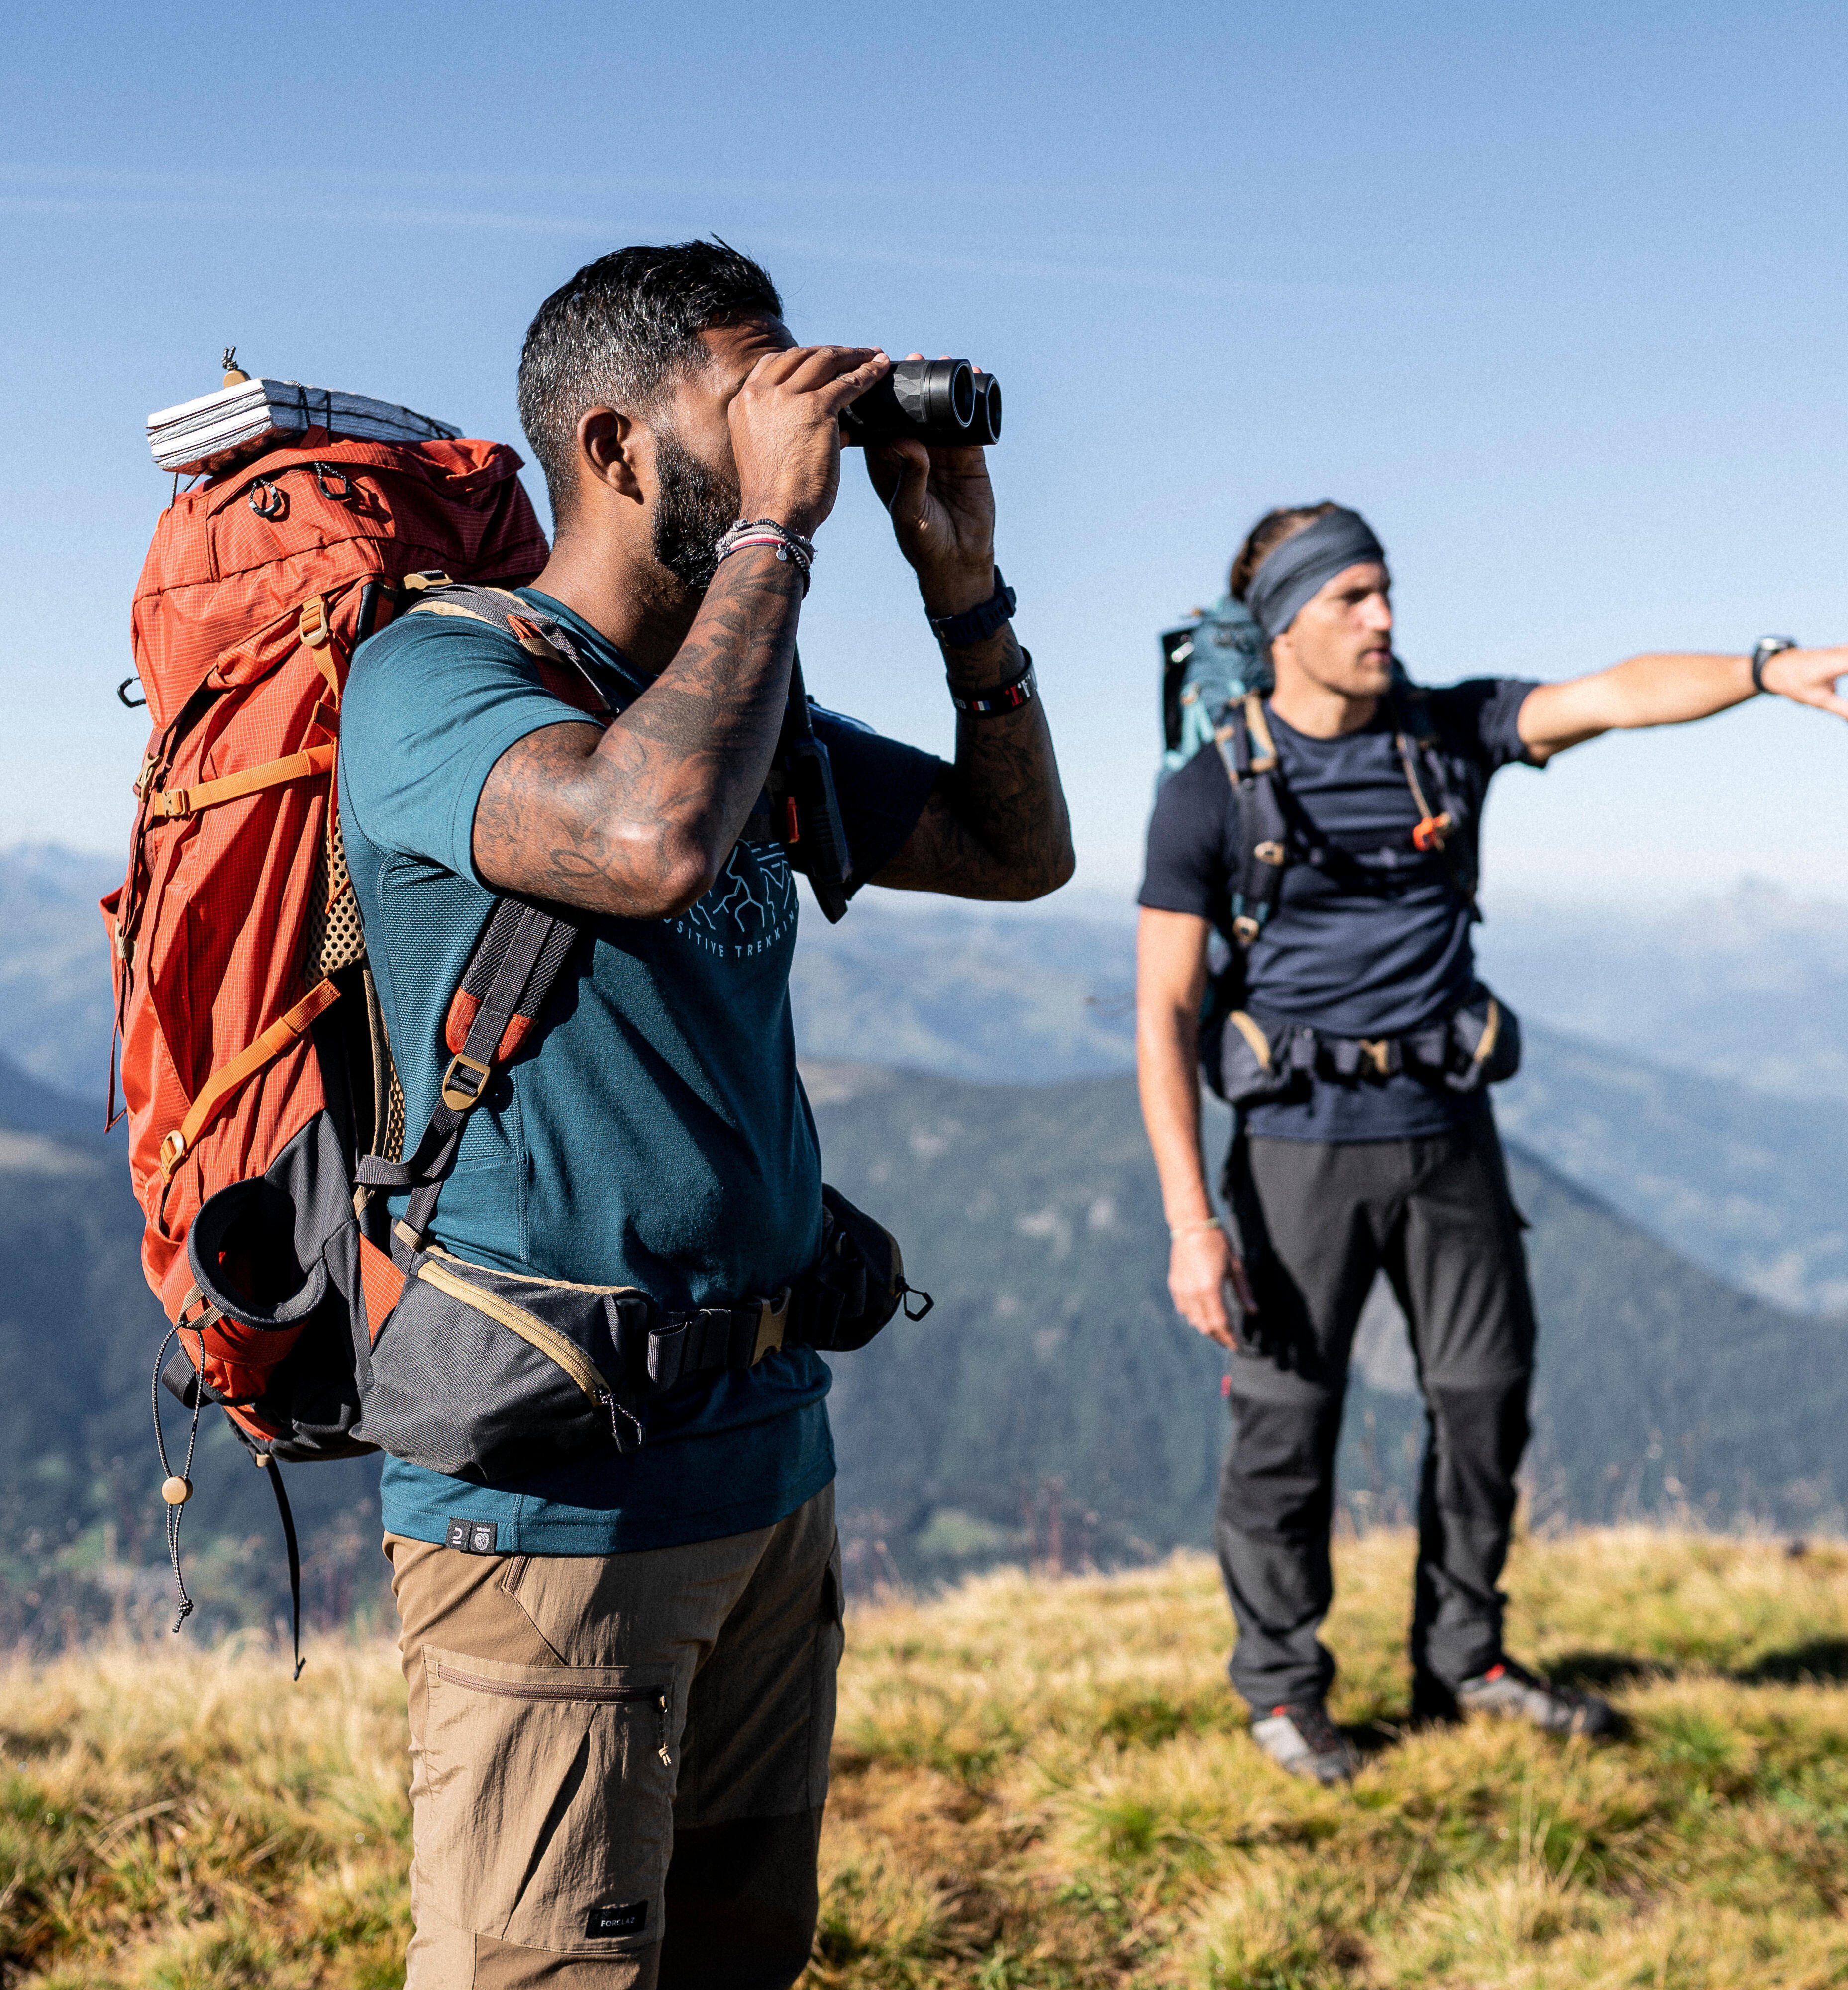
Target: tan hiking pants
{"type": "Point", "coordinates": [618, 1761]}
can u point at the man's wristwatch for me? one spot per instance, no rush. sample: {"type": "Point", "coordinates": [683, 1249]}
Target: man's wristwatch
{"type": "Point", "coordinates": [957, 632]}
{"type": "Point", "coordinates": [1767, 647]}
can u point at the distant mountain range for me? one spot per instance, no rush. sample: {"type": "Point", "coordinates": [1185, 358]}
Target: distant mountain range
{"type": "Point", "coordinates": [1051, 1406]}
{"type": "Point", "coordinates": [1054, 1360]}
{"type": "Point", "coordinates": [1684, 1065]}
{"type": "Point", "coordinates": [1744, 1181]}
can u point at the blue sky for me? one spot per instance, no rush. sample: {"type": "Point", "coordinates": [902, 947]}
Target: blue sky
{"type": "Point", "coordinates": [1555, 294]}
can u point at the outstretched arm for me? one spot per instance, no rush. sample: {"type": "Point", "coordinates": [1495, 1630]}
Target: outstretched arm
{"type": "Point", "coordinates": [995, 826]}
{"type": "Point", "coordinates": [1670, 689]}
{"type": "Point", "coordinates": [1170, 978]}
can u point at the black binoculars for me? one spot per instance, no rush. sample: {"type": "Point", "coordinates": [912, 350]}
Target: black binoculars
{"type": "Point", "coordinates": [944, 402]}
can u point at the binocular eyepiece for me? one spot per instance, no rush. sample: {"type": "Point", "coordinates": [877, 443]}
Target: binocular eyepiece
{"type": "Point", "coordinates": [944, 402]}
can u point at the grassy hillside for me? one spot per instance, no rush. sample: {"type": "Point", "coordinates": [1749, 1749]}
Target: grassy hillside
{"type": "Point", "coordinates": [1042, 1782]}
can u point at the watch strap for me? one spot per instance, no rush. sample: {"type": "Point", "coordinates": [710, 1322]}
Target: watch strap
{"type": "Point", "coordinates": [976, 625]}
{"type": "Point", "coordinates": [1767, 647]}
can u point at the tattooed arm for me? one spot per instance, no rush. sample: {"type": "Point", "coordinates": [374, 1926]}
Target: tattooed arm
{"type": "Point", "coordinates": [996, 825]}
{"type": "Point", "coordinates": [638, 820]}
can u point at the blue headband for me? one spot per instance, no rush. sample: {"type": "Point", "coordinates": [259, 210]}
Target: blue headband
{"type": "Point", "coordinates": [1305, 564]}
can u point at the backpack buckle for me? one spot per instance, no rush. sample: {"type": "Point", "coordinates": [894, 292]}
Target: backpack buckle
{"type": "Point", "coordinates": [1430, 835]}
{"type": "Point", "coordinates": [1244, 929]}
{"type": "Point", "coordinates": [313, 627]}
{"type": "Point", "coordinates": [1377, 1051]}
{"type": "Point", "coordinates": [772, 1317]}
{"type": "Point", "coordinates": [1268, 853]}
{"type": "Point", "coordinates": [464, 1082]}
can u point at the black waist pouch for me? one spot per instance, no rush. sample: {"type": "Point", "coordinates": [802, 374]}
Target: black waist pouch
{"type": "Point", "coordinates": [857, 1284]}
{"type": "Point", "coordinates": [1262, 1062]}
{"type": "Point", "coordinates": [484, 1373]}
{"type": "Point", "coordinates": [1484, 1045]}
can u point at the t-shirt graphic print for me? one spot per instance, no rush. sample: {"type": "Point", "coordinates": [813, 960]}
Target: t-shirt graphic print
{"type": "Point", "coordinates": [749, 910]}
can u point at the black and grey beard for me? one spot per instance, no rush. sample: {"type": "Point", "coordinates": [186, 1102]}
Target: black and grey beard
{"type": "Point", "coordinates": [695, 506]}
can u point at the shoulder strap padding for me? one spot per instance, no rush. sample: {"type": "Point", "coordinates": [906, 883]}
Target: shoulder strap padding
{"type": "Point", "coordinates": [1249, 757]}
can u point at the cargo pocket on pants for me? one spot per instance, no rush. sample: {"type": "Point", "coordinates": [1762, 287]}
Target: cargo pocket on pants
{"type": "Point", "coordinates": [548, 1817]}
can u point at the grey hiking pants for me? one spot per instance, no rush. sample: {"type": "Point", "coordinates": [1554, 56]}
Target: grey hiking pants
{"type": "Point", "coordinates": [1317, 1221]}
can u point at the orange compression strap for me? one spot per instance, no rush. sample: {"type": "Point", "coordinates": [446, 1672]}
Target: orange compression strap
{"type": "Point", "coordinates": [225, 1080]}
{"type": "Point", "coordinates": [172, 802]}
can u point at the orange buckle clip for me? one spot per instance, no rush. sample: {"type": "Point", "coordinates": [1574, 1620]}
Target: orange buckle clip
{"type": "Point", "coordinates": [312, 625]}
{"type": "Point", "coordinates": [173, 1150]}
{"type": "Point", "coordinates": [1245, 928]}
{"type": "Point", "coordinates": [459, 1094]}
{"type": "Point", "coordinates": [1268, 853]}
{"type": "Point", "coordinates": [1431, 832]}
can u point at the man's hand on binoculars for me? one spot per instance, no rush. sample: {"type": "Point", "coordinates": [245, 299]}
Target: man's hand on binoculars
{"type": "Point", "coordinates": [786, 430]}
{"type": "Point", "coordinates": [1809, 676]}
{"type": "Point", "coordinates": [942, 512]}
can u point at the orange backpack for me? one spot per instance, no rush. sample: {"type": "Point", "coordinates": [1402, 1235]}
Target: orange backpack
{"type": "Point", "coordinates": [235, 933]}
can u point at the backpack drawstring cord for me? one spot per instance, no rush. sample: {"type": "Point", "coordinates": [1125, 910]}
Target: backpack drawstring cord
{"type": "Point", "coordinates": [176, 1502]}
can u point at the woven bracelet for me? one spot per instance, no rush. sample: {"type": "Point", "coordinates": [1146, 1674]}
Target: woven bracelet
{"type": "Point", "coordinates": [1019, 689]}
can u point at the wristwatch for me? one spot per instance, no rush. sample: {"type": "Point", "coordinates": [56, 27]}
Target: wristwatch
{"type": "Point", "coordinates": [1767, 647]}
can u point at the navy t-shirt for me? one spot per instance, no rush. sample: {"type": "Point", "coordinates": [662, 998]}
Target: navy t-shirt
{"type": "Point", "coordinates": [1378, 949]}
{"type": "Point", "coordinates": [656, 1135]}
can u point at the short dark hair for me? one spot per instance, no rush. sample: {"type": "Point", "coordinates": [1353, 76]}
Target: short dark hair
{"type": "Point", "coordinates": [1270, 533]}
{"type": "Point", "coordinates": [618, 331]}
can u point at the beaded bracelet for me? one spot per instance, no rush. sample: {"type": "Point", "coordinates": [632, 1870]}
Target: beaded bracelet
{"type": "Point", "coordinates": [1019, 689]}
{"type": "Point", "coordinates": [789, 545]}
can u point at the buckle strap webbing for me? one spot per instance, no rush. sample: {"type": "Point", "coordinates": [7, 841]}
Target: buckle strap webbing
{"type": "Point", "coordinates": [532, 946]}
{"type": "Point", "coordinates": [1249, 755]}
{"type": "Point", "coordinates": [171, 803]}
{"type": "Point", "coordinates": [279, 1037]}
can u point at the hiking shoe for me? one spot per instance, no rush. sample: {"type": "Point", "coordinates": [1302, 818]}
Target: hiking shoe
{"type": "Point", "coordinates": [1512, 1692]}
{"type": "Point", "coordinates": [1305, 1742]}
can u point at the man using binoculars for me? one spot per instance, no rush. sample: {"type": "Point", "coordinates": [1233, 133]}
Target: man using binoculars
{"type": "Point", "coordinates": [1330, 841]}
{"type": "Point", "coordinates": [622, 1667]}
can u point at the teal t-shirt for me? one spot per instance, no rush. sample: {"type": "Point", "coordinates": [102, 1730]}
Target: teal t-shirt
{"type": "Point", "coordinates": [655, 1135]}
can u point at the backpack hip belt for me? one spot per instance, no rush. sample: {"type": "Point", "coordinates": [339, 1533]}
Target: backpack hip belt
{"type": "Point", "coordinates": [1262, 1059]}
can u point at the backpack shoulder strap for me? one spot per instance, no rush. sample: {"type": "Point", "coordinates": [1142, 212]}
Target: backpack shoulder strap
{"type": "Point", "coordinates": [1444, 829]}
{"type": "Point", "coordinates": [514, 966]}
{"type": "Point", "coordinates": [1250, 756]}
{"type": "Point", "coordinates": [564, 668]}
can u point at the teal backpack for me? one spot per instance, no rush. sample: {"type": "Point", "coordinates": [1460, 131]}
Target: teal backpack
{"type": "Point", "coordinates": [1215, 657]}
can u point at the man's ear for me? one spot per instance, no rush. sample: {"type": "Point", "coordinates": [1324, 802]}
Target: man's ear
{"type": "Point", "coordinates": [610, 449]}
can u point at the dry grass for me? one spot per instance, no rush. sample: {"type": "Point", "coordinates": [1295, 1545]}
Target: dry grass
{"type": "Point", "coordinates": [1046, 1783]}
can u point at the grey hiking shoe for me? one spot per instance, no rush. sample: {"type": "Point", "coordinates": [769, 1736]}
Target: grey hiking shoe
{"type": "Point", "coordinates": [1514, 1693]}
{"type": "Point", "coordinates": [1305, 1742]}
